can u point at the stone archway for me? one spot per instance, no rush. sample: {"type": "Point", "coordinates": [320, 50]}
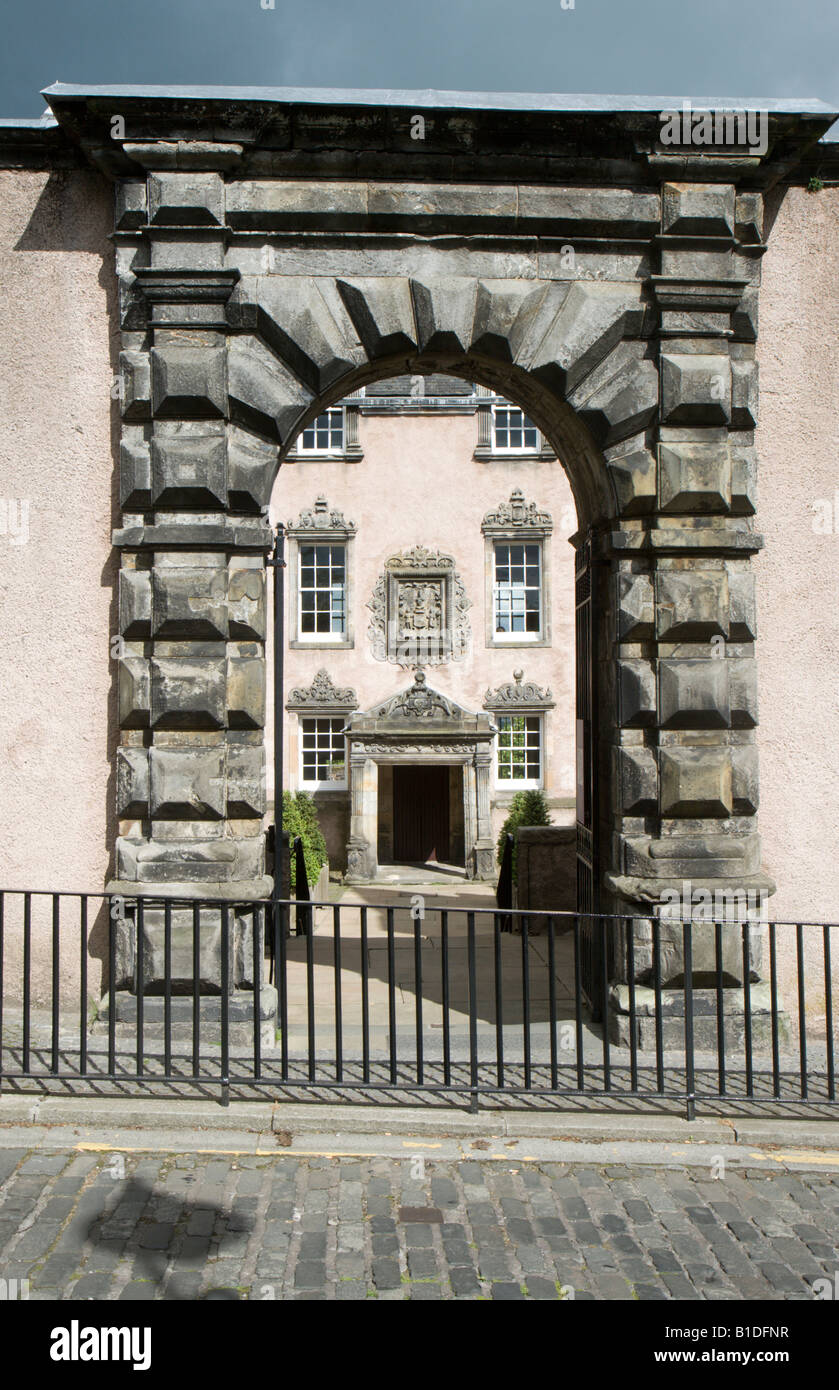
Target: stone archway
{"type": "Point", "coordinates": [244, 313]}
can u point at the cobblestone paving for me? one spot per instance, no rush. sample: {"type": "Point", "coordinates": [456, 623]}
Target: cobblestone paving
{"type": "Point", "coordinates": [108, 1226]}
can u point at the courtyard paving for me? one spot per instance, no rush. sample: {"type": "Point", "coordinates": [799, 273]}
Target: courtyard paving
{"type": "Point", "coordinates": [190, 1226]}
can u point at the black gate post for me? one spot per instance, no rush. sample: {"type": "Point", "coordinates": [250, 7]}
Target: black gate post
{"type": "Point", "coordinates": [277, 560]}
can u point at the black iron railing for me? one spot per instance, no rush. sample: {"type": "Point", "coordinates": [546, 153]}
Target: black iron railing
{"type": "Point", "coordinates": [386, 999]}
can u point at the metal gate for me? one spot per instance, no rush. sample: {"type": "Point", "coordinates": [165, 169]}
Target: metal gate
{"type": "Point", "coordinates": [592, 943]}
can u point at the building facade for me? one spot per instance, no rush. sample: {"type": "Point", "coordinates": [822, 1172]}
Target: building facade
{"type": "Point", "coordinates": [184, 303]}
{"type": "Point", "coordinates": [429, 665]}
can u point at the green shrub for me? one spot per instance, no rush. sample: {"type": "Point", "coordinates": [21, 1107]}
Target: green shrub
{"type": "Point", "coordinates": [300, 817]}
{"type": "Point", "coordinates": [526, 808]}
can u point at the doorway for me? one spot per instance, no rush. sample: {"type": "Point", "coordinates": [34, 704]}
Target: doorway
{"type": "Point", "coordinates": [421, 821]}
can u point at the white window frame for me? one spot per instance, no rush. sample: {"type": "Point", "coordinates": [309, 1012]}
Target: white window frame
{"type": "Point", "coordinates": [321, 638]}
{"type": "Point", "coordinates": [526, 424]}
{"type": "Point", "coordinates": [320, 784]}
{"type": "Point", "coordinates": [517, 784]}
{"type": "Point", "coordinates": [330, 449]}
{"type": "Point", "coordinates": [517, 638]}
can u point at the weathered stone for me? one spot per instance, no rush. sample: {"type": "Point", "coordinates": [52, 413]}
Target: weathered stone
{"type": "Point", "coordinates": [187, 693]}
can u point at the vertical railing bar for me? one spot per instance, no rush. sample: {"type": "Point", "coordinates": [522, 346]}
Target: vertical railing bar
{"type": "Point", "coordinates": [720, 999]}
{"type": "Point", "coordinates": [747, 1009]}
{"type": "Point", "coordinates": [310, 987]}
{"type": "Point", "coordinates": [828, 1016]}
{"type": "Point", "coordinates": [282, 926]}
{"type": "Point", "coordinates": [633, 1022]}
{"type": "Point", "coordinates": [552, 1002]}
{"type": "Point", "coordinates": [391, 996]}
{"type": "Point", "coordinates": [802, 1015]}
{"type": "Point", "coordinates": [196, 984]}
{"type": "Point", "coordinates": [112, 989]}
{"type": "Point", "coordinates": [604, 1009]}
{"type": "Point", "coordinates": [578, 1005]}
{"type": "Point", "coordinates": [336, 966]}
{"type": "Point", "coordinates": [225, 1004]}
{"type": "Point", "coordinates": [365, 1000]}
{"type": "Point", "coordinates": [82, 985]}
{"type": "Point", "coordinates": [140, 983]}
{"type": "Point", "coordinates": [27, 968]}
{"type": "Point", "coordinates": [259, 930]}
{"type": "Point", "coordinates": [167, 987]}
{"type": "Point", "coordinates": [499, 1000]}
{"type": "Point", "coordinates": [473, 1012]}
{"type": "Point", "coordinates": [525, 992]}
{"type": "Point", "coordinates": [659, 1022]}
{"type": "Point", "coordinates": [690, 1077]}
{"type": "Point", "coordinates": [55, 999]}
{"type": "Point", "coordinates": [773, 1003]}
{"type": "Point", "coordinates": [444, 966]}
{"type": "Point", "coordinates": [418, 999]}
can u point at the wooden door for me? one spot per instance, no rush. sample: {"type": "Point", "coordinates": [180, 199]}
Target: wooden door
{"type": "Point", "coordinates": [420, 814]}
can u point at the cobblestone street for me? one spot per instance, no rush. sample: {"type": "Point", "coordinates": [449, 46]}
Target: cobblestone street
{"type": "Point", "coordinates": [109, 1225]}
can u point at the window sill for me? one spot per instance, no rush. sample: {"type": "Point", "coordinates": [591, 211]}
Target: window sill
{"type": "Point", "coordinates": [320, 644]}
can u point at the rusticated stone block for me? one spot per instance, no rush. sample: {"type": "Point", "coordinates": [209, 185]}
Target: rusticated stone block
{"type": "Point", "coordinates": [445, 311]}
{"type": "Point", "coordinates": [134, 603]}
{"type": "Point", "coordinates": [744, 761]}
{"type": "Point", "coordinates": [245, 781]}
{"type": "Point", "coordinates": [134, 692]}
{"type": "Point", "coordinates": [135, 385]}
{"type": "Point", "coordinates": [743, 393]}
{"type": "Point", "coordinates": [245, 692]}
{"type": "Point", "coordinates": [188, 382]}
{"type": "Point", "coordinates": [189, 471]}
{"type": "Point", "coordinates": [634, 480]}
{"type": "Point", "coordinates": [636, 681]}
{"type": "Point", "coordinates": [132, 783]}
{"type": "Point", "coordinates": [696, 781]}
{"type": "Point", "coordinates": [189, 602]}
{"type": "Point", "coordinates": [130, 204]}
{"type": "Point", "coordinates": [694, 478]}
{"type": "Point", "coordinates": [742, 619]}
{"type": "Point", "coordinates": [691, 606]}
{"type": "Point", "coordinates": [134, 474]}
{"type": "Point", "coordinates": [187, 783]}
{"type": "Point", "coordinates": [186, 199]}
{"type": "Point", "coordinates": [743, 480]}
{"type": "Point", "coordinates": [251, 468]}
{"type": "Point", "coordinates": [695, 389]}
{"type": "Point", "coordinates": [742, 675]}
{"type": "Point", "coordinates": [382, 312]}
{"type": "Point", "coordinates": [187, 693]}
{"type": "Point", "coordinates": [697, 209]}
{"type": "Point", "coordinates": [748, 217]}
{"type": "Point", "coordinates": [636, 775]}
{"type": "Point", "coordinates": [694, 694]}
{"type": "Point", "coordinates": [246, 603]}
{"type": "Point", "coordinates": [636, 607]}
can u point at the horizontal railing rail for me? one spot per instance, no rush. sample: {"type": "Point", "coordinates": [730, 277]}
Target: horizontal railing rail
{"type": "Point", "coordinates": [380, 999]}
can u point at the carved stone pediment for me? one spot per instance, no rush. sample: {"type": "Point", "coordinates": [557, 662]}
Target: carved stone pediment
{"type": "Point", "coordinates": [320, 518]}
{"type": "Point", "coordinates": [419, 609]}
{"type": "Point", "coordinates": [518, 694]}
{"type": "Point", "coordinates": [517, 514]}
{"type": "Point", "coordinates": [418, 702]}
{"type": "Point", "coordinates": [322, 694]}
